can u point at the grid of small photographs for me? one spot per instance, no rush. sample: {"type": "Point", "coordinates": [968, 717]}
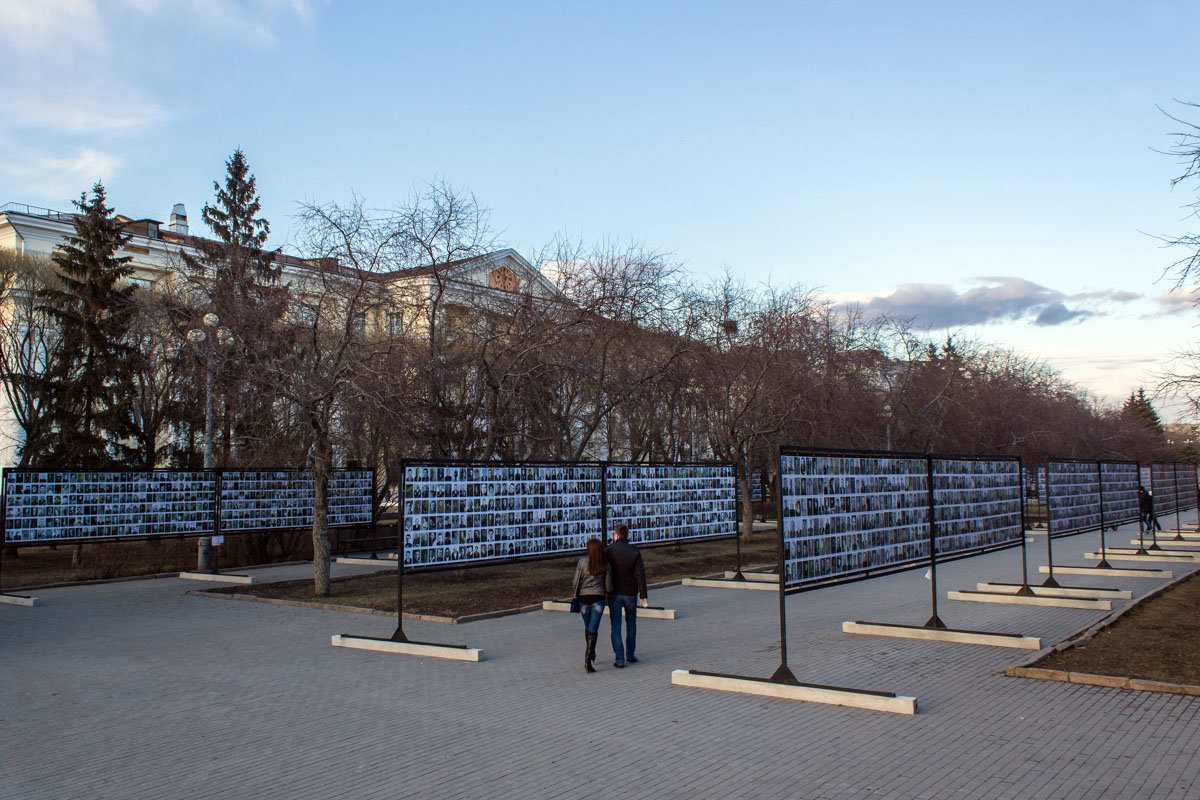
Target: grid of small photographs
{"type": "Point", "coordinates": [1074, 496]}
{"type": "Point", "coordinates": [1119, 480]}
{"type": "Point", "coordinates": [977, 503]}
{"type": "Point", "coordinates": [1162, 487]}
{"type": "Point", "coordinates": [460, 513]}
{"type": "Point", "coordinates": [756, 486]}
{"type": "Point", "coordinates": [56, 506]}
{"type": "Point", "coordinates": [270, 499]}
{"type": "Point", "coordinates": [662, 503]}
{"type": "Point", "coordinates": [844, 514]}
{"type": "Point", "coordinates": [1188, 489]}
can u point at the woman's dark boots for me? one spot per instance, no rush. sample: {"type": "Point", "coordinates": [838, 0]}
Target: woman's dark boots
{"type": "Point", "coordinates": [590, 655]}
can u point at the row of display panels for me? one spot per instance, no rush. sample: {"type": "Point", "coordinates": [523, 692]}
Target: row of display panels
{"type": "Point", "coordinates": [58, 506]}
{"type": "Point", "coordinates": [846, 513]}
{"type": "Point", "coordinates": [1174, 486]}
{"type": "Point", "coordinates": [1081, 495]}
{"type": "Point", "coordinates": [461, 512]}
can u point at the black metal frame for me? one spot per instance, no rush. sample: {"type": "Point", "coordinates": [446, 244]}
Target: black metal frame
{"type": "Point", "coordinates": [913, 563]}
{"type": "Point", "coordinates": [1178, 505]}
{"type": "Point", "coordinates": [1050, 579]}
{"type": "Point", "coordinates": [399, 634]}
{"type": "Point", "coordinates": [374, 496]}
{"type": "Point", "coordinates": [216, 529]}
{"type": "Point", "coordinates": [783, 674]}
{"type": "Point", "coordinates": [527, 557]}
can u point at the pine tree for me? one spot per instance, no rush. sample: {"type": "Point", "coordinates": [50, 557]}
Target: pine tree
{"type": "Point", "coordinates": [1139, 407]}
{"type": "Point", "coordinates": [86, 379]}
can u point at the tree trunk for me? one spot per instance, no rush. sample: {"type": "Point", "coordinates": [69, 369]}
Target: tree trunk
{"type": "Point", "coordinates": [320, 530]}
{"type": "Point", "coordinates": [747, 503]}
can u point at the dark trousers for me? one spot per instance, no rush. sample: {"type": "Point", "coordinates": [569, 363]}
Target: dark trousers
{"type": "Point", "coordinates": [623, 605]}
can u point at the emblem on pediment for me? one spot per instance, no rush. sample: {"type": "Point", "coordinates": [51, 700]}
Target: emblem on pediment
{"type": "Point", "coordinates": [504, 279]}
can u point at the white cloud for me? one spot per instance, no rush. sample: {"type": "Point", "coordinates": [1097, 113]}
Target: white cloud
{"type": "Point", "coordinates": [1178, 300]}
{"type": "Point", "coordinates": [86, 110]}
{"type": "Point", "coordinates": [995, 299]}
{"type": "Point", "coordinates": [59, 175]}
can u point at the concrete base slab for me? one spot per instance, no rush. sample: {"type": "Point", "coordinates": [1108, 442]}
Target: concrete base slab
{"type": "Point", "coordinates": [763, 577]}
{"type": "Point", "coordinates": [1187, 533]}
{"type": "Point", "coordinates": [1165, 541]}
{"type": "Point", "coordinates": [1057, 591]}
{"type": "Point", "coordinates": [1007, 599]}
{"type": "Point", "coordinates": [216, 577]}
{"type": "Point", "coordinates": [452, 652]}
{"type": "Point", "coordinates": [1153, 555]}
{"type": "Point", "coordinates": [653, 612]}
{"type": "Point", "coordinates": [1014, 640]}
{"type": "Point", "coordinates": [1112, 572]}
{"type": "Point", "coordinates": [717, 583]}
{"type": "Point", "coordinates": [382, 563]}
{"type": "Point", "coordinates": [18, 600]}
{"type": "Point", "coordinates": [874, 701]}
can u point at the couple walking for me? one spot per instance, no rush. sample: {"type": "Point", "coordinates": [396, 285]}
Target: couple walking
{"type": "Point", "coordinates": [614, 575]}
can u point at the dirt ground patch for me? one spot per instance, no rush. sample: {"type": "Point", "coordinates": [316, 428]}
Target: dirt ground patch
{"type": "Point", "coordinates": [456, 593]}
{"type": "Point", "coordinates": [1159, 640]}
{"type": "Point", "coordinates": [65, 563]}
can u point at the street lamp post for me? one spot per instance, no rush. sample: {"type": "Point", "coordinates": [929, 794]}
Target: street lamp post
{"type": "Point", "coordinates": [212, 333]}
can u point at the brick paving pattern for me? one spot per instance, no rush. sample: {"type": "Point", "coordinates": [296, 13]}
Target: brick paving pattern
{"type": "Point", "coordinates": [136, 690]}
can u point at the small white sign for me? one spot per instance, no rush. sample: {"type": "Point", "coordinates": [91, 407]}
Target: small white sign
{"type": "Point", "coordinates": [217, 541]}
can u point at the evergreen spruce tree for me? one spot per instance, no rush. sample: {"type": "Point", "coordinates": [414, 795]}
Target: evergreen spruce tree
{"type": "Point", "coordinates": [86, 380]}
{"type": "Point", "coordinates": [240, 283]}
{"type": "Point", "coordinates": [236, 263]}
{"type": "Point", "coordinates": [1139, 407]}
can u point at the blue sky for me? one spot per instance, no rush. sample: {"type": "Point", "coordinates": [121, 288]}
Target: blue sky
{"type": "Point", "coordinates": [988, 168]}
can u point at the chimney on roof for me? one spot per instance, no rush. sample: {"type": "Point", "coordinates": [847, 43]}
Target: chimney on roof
{"type": "Point", "coordinates": [178, 223]}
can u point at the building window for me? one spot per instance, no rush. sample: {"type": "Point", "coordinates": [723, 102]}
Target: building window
{"type": "Point", "coordinates": [359, 322]}
{"type": "Point", "coordinates": [395, 323]}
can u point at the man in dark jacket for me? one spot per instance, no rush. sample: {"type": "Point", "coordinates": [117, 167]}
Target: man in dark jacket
{"type": "Point", "coordinates": [1146, 506]}
{"type": "Point", "coordinates": [628, 585]}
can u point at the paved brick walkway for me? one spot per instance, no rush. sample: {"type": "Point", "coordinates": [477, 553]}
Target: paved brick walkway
{"type": "Point", "coordinates": [135, 690]}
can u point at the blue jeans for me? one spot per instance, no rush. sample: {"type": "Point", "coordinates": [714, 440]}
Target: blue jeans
{"type": "Point", "coordinates": [591, 613]}
{"type": "Point", "coordinates": [616, 604]}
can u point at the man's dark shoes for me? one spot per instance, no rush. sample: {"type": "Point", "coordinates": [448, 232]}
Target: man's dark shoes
{"type": "Point", "coordinates": [631, 660]}
{"type": "Point", "coordinates": [618, 665]}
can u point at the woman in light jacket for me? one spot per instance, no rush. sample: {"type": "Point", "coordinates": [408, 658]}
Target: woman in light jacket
{"type": "Point", "coordinates": [592, 581]}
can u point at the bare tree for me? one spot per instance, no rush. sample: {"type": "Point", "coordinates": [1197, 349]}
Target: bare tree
{"type": "Point", "coordinates": [326, 351]}
{"type": "Point", "coordinates": [28, 336]}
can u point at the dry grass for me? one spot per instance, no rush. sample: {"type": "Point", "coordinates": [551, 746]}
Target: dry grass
{"type": "Point", "coordinates": [1159, 640]}
{"type": "Point", "coordinates": [456, 593]}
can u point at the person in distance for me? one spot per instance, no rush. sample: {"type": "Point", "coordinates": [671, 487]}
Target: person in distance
{"type": "Point", "coordinates": [628, 591]}
{"type": "Point", "coordinates": [1146, 506]}
{"type": "Point", "coordinates": [592, 583]}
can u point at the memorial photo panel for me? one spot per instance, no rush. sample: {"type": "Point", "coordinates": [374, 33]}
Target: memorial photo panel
{"type": "Point", "coordinates": [1162, 487]}
{"type": "Point", "coordinates": [844, 514]}
{"type": "Point", "coordinates": [72, 505]}
{"type": "Point", "coordinates": [462, 513]}
{"type": "Point", "coordinates": [271, 499]}
{"type": "Point", "coordinates": [977, 503]}
{"type": "Point", "coordinates": [1074, 496]}
{"type": "Point", "coordinates": [1119, 480]}
{"type": "Point", "coordinates": [1188, 489]}
{"type": "Point", "coordinates": [667, 502]}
